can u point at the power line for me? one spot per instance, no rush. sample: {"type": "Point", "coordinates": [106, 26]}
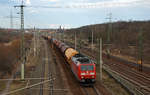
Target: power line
{"type": "Point", "coordinates": [30, 86]}
{"type": "Point", "coordinates": [44, 6]}
{"type": "Point", "coordinates": [11, 19]}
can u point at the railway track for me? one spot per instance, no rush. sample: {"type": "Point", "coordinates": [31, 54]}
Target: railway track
{"type": "Point", "coordinates": [126, 70]}
{"type": "Point", "coordinates": [43, 70]}
{"type": "Point", "coordinates": [56, 87]}
{"type": "Point", "coordinates": [46, 89]}
{"type": "Point", "coordinates": [49, 73]}
{"type": "Point", "coordinates": [41, 86]}
{"type": "Point", "coordinates": [76, 88]}
{"type": "Point", "coordinates": [144, 79]}
{"type": "Point", "coordinates": [73, 84]}
{"type": "Point", "coordinates": [91, 91]}
{"type": "Point", "coordinates": [135, 77]}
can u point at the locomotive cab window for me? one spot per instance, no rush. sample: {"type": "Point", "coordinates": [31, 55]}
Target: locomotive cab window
{"type": "Point", "coordinates": [87, 68]}
{"type": "Point", "coordinates": [84, 60]}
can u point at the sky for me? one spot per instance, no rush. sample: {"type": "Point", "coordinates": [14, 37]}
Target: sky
{"type": "Point", "coordinates": [72, 13]}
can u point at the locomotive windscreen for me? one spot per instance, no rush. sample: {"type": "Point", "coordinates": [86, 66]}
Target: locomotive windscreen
{"type": "Point", "coordinates": [87, 67]}
{"type": "Point", "coordinates": [79, 55]}
{"type": "Point", "coordinates": [84, 60]}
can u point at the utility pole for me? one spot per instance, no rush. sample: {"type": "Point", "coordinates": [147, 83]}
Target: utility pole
{"type": "Point", "coordinates": [108, 34]}
{"type": "Point", "coordinates": [92, 38]}
{"type": "Point", "coordinates": [63, 34]}
{"type": "Point", "coordinates": [101, 61]}
{"type": "Point", "coordinates": [55, 36]}
{"type": "Point", "coordinates": [11, 19]}
{"type": "Point", "coordinates": [38, 42]}
{"type": "Point", "coordinates": [59, 32]}
{"type": "Point", "coordinates": [109, 27]}
{"type": "Point", "coordinates": [34, 42]}
{"type": "Point", "coordinates": [22, 40]}
{"type": "Point", "coordinates": [80, 41]}
{"type": "Point", "coordinates": [75, 45]}
{"type": "Point", "coordinates": [140, 50]}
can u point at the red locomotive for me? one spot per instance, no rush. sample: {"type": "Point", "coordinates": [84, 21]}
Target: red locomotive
{"type": "Point", "coordinates": [82, 67]}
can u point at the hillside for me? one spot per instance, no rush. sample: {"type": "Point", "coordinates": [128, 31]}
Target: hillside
{"type": "Point", "coordinates": [124, 37]}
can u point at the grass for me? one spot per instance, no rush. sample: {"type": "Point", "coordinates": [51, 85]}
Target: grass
{"type": "Point", "coordinates": [2, 85]}
{"type": "Point", "coordinates": [16, 85]}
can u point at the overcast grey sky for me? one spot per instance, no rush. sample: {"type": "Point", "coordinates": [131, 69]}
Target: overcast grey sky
{"type": "Point", "coordinates": [73, 13]}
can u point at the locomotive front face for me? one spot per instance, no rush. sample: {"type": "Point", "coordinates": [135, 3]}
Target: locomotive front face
{"type": "Point", "coordinates": [87, 73]}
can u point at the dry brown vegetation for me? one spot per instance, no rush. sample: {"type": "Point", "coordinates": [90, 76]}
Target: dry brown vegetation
{"type": "Point", "coordinates": [8, 55]}
{"type": "Point", "coordinates": [10, 50]}
{"type": "Point", "coordinates": [7, 36]}
{"type": "Point", "coordinates": [124, 36]}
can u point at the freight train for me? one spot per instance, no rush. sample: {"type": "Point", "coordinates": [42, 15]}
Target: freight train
{"type": "Point", "coordinates": [82, 66]}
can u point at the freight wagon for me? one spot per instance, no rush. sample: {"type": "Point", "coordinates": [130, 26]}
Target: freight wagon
{"type": "Point", "coordinates": [82, 66]}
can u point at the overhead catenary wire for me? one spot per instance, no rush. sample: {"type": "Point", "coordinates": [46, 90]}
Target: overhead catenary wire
{"type": "Point", "coordinates": [11, 19]}
{"type": "Point", "coordinates": [27, 87]}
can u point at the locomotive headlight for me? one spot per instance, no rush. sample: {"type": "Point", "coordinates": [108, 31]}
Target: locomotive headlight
{"type": "Point", "coordinates": [82, 77]}
{"type": "Point", "coordinates": [82, 73]}
{"type": "Point", "coordinates": [91, 73]}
